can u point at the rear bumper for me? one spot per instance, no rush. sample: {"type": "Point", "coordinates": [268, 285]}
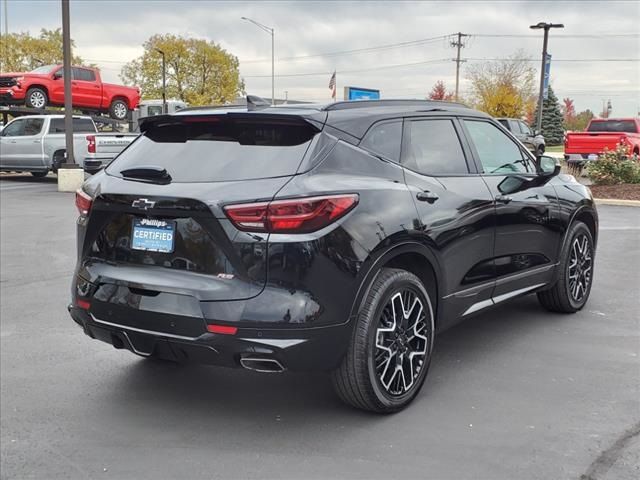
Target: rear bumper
{"type": "Point", "coordinates": [295, 349]}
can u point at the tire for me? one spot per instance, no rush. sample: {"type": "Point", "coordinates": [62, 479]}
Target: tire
{"type": "Point", "coordinates": [118, 110]}
{"type": "Point", "coordinates": [39, 174]}
{"type": "Point", "coordinates": [365, 380]}
{"type": "Point", "coordinates": [57, 160]}
{"type": "Point", "coordinates": [36, 98]}
{"type": "Point", "coordinates": [568, 295]}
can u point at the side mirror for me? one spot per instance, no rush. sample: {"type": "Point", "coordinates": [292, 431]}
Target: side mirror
{"type": "Point", "coordinates": [548, 166]}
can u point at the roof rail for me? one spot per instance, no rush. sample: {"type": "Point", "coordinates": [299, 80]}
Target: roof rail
{"type": "Point", "coordinates": [347, 105]}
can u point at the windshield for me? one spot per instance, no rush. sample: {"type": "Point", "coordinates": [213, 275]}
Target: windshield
{"type": "Point", "coordinates": [210, 149]}
{"type": "Point", "coordinates": [44, 69]}
{"type": "Point", "coordinates": [624, 126]}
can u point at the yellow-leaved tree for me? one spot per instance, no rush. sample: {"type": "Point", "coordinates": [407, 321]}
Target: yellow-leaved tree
{"type": "Point", "coordinates": [199, 72]}
{"type": "Point", "coordinates": [503, 88]}
{"type": "Point", "coordinates": [22, 52]}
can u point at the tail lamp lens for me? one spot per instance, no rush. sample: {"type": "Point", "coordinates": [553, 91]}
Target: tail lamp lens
{"type": "Point", "coordinates": [91, 143]}
{"type": "Point", "coordinates": [83, 202]}
{"type": "Point", "coordinates": [300, 215]}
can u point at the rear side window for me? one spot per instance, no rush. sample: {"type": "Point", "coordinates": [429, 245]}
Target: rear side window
{"type": "Point", "coordinates": [384, 139]}
{"type": "Point", "coordinates": [80, 125]}
{"type": "Point", "coordinates": [220, 148]}
{"type": "Point", "coordinates": [504, 122]}
{"type": "Point", "coordinates": [433, 148]}
{"type": "Point", "coordinates": [84, 74]}
{"type": "Point", "coordinates": [624, 126]}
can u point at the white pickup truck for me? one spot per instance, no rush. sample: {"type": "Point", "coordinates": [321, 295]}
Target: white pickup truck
{"type": "Point", "coordinates": [36, 143]}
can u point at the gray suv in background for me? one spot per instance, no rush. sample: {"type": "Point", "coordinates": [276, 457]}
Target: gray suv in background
{"type": "Point", "coordinates": [520, 130]}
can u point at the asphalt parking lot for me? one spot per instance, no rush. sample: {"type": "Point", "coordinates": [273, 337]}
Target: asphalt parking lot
{"type": "Point", "coordinates": [516, 393]}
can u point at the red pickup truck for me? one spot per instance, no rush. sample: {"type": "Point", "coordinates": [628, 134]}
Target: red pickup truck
{"type": "Point", "coordinates": [44, 87]}
{"type": "Point", "coordinates": [601, 134]}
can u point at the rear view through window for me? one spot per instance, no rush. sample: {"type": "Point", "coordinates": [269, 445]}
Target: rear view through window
{"type": "Point", "coordinates": [626, 126]}
{"type": "Point", "coordinates": [219, 148]}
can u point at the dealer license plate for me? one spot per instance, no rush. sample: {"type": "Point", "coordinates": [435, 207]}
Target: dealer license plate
{"type": "Point", "coordinates": [153, 235]}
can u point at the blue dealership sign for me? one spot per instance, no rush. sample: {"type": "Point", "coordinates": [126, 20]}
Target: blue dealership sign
{"type": "Point", "coordinates": [357, 93]}
{"type": "Point", "coordinates": [547, 75]}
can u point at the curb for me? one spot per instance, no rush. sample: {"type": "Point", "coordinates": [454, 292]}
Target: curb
{"type": "Point", "coordinates": [620, 203]}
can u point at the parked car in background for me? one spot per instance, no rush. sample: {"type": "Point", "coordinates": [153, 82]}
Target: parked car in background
{"type": "Point", "coordinates": [534, 142]}
{"type": "Point", "coordinates": [37, 144]}
{"type": "Point", "coordinates": [601, 134]}
{"type": "Point", "coordinates": [44, 87]}
{"type": "Point", "coordinates": [104, 147]}
{"type": "Point", "coordinates": [305, 238]}
{"type": "Point", "coordinates": [150, 108]}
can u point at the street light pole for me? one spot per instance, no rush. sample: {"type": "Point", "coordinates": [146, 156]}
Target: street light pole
{"type": "Point", "coordinates": [164, 81]}
{"type": "Point", "coordinates": [546, 27]}
{"type": "Point", "coordinates": [68, 101]}
{"type": "Point", "coordinates": [271, 32]}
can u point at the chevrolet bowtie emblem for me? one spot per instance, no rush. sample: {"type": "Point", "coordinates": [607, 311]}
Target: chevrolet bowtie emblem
{"type": "Point", "coordinates": [143, 204]}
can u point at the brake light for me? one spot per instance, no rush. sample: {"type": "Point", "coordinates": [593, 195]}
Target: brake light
{"type": "Point", "coordinates": [83, 304]}
{"type": "Point", "coordinates": [300, 215]}
{"type": "Point", "coordinates": [222, 329]}
{"type": "Point", "coordinates": [83, 202]}
{"type": "Point", "coordinates": [91, 147]}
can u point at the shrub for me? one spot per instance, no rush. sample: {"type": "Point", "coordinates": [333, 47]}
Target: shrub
{"type": "Point", "coordinates": [614, 167]}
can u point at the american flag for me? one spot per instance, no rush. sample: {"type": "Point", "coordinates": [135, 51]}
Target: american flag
{"type": "Point", "coordinates": [332, 85]}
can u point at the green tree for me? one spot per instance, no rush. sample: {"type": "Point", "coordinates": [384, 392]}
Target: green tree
{"type": "Point", "coordinates": [552, 120]}
{"type": "Point", "coordinates": [21, 52]}
{"type": "Point", "coordinates": [199, 72]}
{"type": "Point", "coordinates": [503, 88]}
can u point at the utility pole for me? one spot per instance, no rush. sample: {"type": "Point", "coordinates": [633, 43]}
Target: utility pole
{"type": "Point", "coordinates": [546, 27]}
{"type": "Point", "coordinates": [270, 31]}
{"type": "Point", "coordinates": [458, 44]}
{"type": "Point", "coordinates": [68, 102]}
{"type": "Point", "coordinates": [6, 19]}
{"type": "Point", "coordinates": [164, 81]}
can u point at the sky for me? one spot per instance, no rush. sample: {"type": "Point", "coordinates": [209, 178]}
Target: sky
{"type": "Point", "coordinates": [596, 57]}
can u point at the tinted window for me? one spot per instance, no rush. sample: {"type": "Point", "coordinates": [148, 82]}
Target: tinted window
{"type": "Point", "coordinates": [80, 125]}
{"type": "Point", "coordinates": [384, 139]}
{"type": "Point", "coordinates": [33, 126]}
{"type": "Point", "coordinates": [197, 149]}
{"type": "Point", "coordinates": [14, 129]}
{"type": "Point", "coordinates": [497, 152]}
{"type": "Point", "coordinates": [628, 126]}
{"type": "Point", "coordinates": [504, 122]}
{"type": "Point", "coordinates": [84, 74]}
{"type": "Point", "coordinates": [433, 148]}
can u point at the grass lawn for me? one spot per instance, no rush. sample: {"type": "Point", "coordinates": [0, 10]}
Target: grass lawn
{"type": "Point", "coordinates": [555, 148]}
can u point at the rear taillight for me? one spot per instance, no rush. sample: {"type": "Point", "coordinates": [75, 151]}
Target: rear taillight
{"type": "Point", "coordinates": [91, 145]}
{"type": "Point", "coordinates": [83, 202]}
{"type": "Point", "coordinates": [300, 215]}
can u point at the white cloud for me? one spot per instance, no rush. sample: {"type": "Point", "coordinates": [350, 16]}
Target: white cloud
{"type": "Point", "coordinates": [108, 32]}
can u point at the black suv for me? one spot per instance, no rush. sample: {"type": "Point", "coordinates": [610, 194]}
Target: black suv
{"type": "Point", "coordinates": [338, 238]}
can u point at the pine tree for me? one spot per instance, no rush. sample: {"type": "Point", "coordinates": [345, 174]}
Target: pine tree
{"type": "Point", "coordinates": [552, 119]}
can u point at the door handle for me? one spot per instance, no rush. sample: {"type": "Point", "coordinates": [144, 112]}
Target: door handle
{"type": "Point", "coordinates": [503, 199]}
{"type": "Point", "coordinates": [427, 196]}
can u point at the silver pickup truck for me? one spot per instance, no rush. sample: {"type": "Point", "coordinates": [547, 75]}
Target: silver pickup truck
{"type": "Point", "coordinates": [104, 147]}
{"type": "Point", "coordinates": [36, 143]}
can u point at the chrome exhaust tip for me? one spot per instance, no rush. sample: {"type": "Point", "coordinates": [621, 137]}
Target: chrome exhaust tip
{"type": "Point", "coordinates": [262, 364]}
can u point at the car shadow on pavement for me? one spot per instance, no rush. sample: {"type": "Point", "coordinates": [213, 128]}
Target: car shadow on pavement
{"type": "Point", "coordinates": [216, 396]}
{"type": "Point", "coordinates": [27, 178]}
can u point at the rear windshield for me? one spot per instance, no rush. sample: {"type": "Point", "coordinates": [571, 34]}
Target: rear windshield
{"type": "Point", "coordinates": [80, 125]}
{"type": "Point", "coordinates": [626, 126]}
{"type": "Point", "coordinates": [197, 149]}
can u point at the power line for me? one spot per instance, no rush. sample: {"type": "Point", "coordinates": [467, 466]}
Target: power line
{"type": "Point", "coordinates": [558, 59]}
{"type": "Point", "coordinates": [389, 46]}
{"type": "Point", "coordinates": [586, 35]}
{"type": "Point", "coordinates": [382, 67]}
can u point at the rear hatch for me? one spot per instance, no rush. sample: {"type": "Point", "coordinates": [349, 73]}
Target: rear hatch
{"type": "Point", "coordinates": [167, 234]}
